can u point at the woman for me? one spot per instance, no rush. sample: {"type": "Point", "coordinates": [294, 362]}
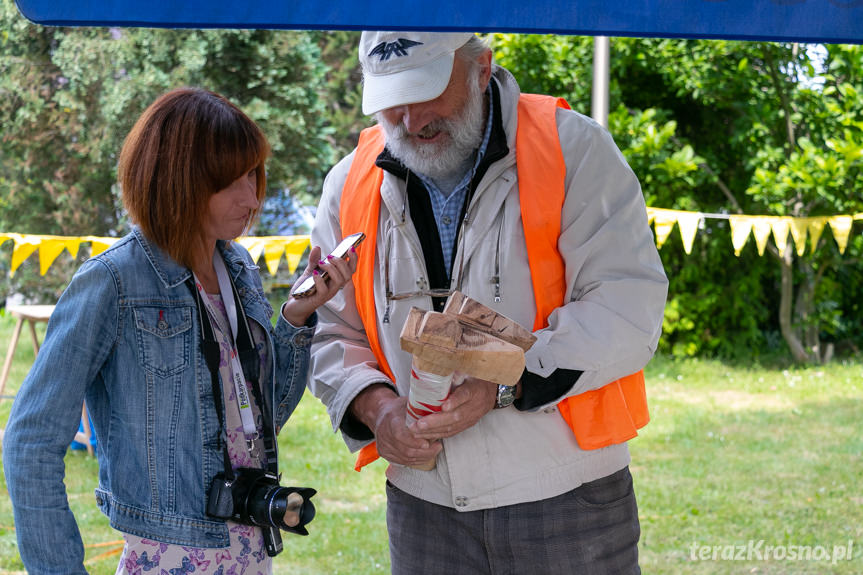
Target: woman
{"type": "Point", "coordinates": [130, 335]}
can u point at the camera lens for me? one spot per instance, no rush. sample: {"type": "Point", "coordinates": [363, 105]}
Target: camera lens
{"type": "Point", "coordinates": [286, 508]}
{"type": "Point", "coordinates": [283, 507]}
{"type": "Point", "coordinates": [294, 506]}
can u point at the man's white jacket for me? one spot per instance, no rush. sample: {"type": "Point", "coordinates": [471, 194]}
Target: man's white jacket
{"type": "Point", "coordinates": [608, 329]}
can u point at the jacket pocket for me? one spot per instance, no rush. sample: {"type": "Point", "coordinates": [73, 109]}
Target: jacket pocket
{"type": "Point", "coordinates": [164, 338]}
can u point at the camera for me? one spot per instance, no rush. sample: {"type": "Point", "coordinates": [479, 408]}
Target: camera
{"type": "Point", "coordinates": [254, 497]}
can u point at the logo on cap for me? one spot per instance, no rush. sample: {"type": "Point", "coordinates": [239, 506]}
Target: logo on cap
{"type": "Point", "coordinates": [398, 48]}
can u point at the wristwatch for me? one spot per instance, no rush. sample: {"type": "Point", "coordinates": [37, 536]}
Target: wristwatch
{"type": "Point", "coordinates": [505, 396]}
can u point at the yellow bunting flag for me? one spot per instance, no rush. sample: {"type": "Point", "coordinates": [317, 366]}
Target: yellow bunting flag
{"type": "Point", "coordinates": [51, 247]}
{"type": "Point", "coordinates": [740, 228]}
{"type": "Point", "coordinates": [255, 246]}
{"type": "Point", "coordinates": [272, 254]}
{"type": "Point", "coordinates": [24, 246]}
{"type": "Point", "coordinates": [663, 223]}
{"type": "Point", "coordinates": [295, 247]}
{"type": "Point", "coordinates": [841, 226]}
{"type": "Point", "coordinates": [799, 230]}
{"type": "Point", "coordinates": [761, 229]}
{"type": "Point", "coordinates": [780, 232]}
{"type": "Point", "coordinates": [99, 245]}
{"type": "Point", "coordinates": [687, 223]}
{"type": "Point", "coordinates": [816, 227]}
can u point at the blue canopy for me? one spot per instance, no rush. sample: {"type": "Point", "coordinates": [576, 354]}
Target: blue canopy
{"type": "Point", "coordinates": [832, 21]}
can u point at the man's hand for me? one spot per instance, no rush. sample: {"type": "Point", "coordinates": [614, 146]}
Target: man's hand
{"type": "Point", "coordinates": [463, 408]}
{"type": "Point", "coordinates": [384, 413]}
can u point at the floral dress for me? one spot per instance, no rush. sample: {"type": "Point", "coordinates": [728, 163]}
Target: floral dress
{"type": "Point", "coordinates": [246, 554]}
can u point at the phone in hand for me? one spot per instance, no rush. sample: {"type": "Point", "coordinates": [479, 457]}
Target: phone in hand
{"type": "Point", "coordinates": [307, 286]}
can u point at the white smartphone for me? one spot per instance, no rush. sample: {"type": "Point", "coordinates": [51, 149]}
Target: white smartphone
{"type": "Point", "coordinates": [307, 286]}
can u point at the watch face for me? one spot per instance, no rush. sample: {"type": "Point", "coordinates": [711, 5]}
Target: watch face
{"type": "Point", "coordinates": [505, 396]}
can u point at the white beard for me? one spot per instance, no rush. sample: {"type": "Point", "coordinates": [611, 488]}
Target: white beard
{"type": "Point", "coordinates": [450, 158]}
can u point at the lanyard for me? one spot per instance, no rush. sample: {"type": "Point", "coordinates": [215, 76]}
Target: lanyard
{"type": "Point", "coordinates": [250, 363]}
{"type": "Point", "coordinates": [241, 390]}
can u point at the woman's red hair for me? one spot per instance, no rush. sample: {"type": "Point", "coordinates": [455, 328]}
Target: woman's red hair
{"type": "Point", "coordinates": [186, 146]}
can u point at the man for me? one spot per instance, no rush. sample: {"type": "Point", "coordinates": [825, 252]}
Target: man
{"type": "Point", "coordinates": [531, 210]}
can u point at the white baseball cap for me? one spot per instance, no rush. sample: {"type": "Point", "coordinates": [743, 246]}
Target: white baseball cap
{"type": "Point", "coordinates": [406, 67]}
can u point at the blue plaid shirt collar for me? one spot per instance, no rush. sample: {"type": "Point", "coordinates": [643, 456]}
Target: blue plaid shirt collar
{"type": "Point", "coordinates": [447, 209]}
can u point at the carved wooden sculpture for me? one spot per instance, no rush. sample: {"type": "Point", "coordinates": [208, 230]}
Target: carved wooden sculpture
{"type": "Point", "coordinates": [468, 338]}
{"type": "Point", "coordinates": [474, 314]}
{"type": "Point", "coordinates": [442, 344]}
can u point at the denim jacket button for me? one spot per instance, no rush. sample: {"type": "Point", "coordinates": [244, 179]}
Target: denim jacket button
{"type": "Point", "coordinates": [301, 339]}
{"type": "Point", "coordinates": [162, 325]}
{"type": "Point", "coordinates": [99, 500]}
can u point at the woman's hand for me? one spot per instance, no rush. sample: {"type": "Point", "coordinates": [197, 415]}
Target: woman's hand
{"type": "Point", "coordinates": [338, 272]}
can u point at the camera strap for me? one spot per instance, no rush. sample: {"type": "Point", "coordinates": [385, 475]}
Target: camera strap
{"type": "Point", "coordinates": [238, 379]}
{"type": "Point", "coordinates": [249, 364]}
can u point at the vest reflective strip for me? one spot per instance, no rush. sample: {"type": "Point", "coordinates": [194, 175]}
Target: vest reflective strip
{"type": "Point", "coordinates": [598, 418]}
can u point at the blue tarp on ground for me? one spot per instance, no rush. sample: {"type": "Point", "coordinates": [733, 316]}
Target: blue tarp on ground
{"type": "Point", "coordinates": [832, 21]}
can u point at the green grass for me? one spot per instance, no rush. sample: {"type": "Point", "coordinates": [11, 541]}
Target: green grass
{"type": "Point", "coordinates": [732, 455]}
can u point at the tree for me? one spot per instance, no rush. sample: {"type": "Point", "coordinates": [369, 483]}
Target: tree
{"type": "Point", "coordinates": [816, 170]}
{"type": "Point", "coordinates": [798, 153]}
{"type": "Point", "coordinates": [730, 127]}
{"type": "Point", "coordinates": [68, 96]}
{"type": "Point", "coordinates": [344, 94]}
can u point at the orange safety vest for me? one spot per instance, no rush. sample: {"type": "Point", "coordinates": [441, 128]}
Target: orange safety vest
{"type": "Point", "coordinates": [598, 418]}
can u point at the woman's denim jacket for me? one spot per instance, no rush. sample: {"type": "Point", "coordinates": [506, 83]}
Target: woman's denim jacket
{"type": "Point", "coordinates": [125, 336]}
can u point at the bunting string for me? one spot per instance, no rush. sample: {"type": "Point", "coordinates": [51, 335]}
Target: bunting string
{"type": "Point", "coordinates": [272, 248]}
{"type": "Point", "coordinates": [759, 227]}
{"type": "Point", "coordinates": [50, 247]}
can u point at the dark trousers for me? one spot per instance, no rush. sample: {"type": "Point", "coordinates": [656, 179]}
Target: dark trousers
{"type": "Point", "coordinates": [592, 529]}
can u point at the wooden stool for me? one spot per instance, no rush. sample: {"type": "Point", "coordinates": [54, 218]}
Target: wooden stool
{"type": "Point", "coordinates": [33, 314]}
